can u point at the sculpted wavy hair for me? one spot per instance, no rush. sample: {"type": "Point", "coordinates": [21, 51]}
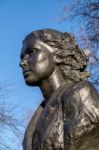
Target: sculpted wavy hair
{"type": "Point", "coordinates": [67, 55]}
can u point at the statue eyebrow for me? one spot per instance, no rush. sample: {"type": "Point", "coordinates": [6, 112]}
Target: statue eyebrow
{"type": "Point", "coordinates": [34, 47]}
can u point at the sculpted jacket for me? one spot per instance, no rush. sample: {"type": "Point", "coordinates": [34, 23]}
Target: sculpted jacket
{"type": "Point", "coordinates": [68, 121]}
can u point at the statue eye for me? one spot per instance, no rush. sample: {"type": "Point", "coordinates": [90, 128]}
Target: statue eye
{"type": "Point", "coordinates": [32, 51]}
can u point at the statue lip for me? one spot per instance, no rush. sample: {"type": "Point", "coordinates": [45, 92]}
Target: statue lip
{"type": "Point", "coordinates": [26, 72]}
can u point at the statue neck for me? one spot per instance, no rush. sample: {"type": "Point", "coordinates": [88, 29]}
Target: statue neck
{"type": "Point", "coordinates": [49, 85]}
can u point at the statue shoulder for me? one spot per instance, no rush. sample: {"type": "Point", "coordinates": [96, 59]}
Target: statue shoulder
{"type": "Point", "coordinates": [86, 90]}
{"type": "Point", "coordinates": [82, 88]}
{"type": "Point", "coordinates": [86, 83]}
{"type": "Point", "coordinates": [81, 92]}
{"type": "Point", "coordinates": [82, 98]}
{"type": "Point", "coordinates": [81, 113]}
{"type": "Point", "coordinates": [27, 141]}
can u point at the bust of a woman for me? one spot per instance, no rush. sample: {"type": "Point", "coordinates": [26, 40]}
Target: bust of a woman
{"type": "Point", "coordinates": [68, 118]}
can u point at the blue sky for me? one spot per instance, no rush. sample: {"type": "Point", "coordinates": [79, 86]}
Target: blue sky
{"type": "Point", "coordinates": [17, 19]}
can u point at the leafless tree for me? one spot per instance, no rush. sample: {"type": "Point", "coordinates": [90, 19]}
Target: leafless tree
{"type": "Point", "coordinates": [85, 14]}
{"type": "Point", "coordinates": [10, 126]}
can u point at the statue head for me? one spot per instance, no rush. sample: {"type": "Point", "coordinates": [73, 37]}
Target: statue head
{"type": "Point", "coordinates": [44, 50]}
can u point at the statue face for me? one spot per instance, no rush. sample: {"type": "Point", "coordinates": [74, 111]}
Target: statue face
{"type": "Point", "coordinates": [36, 62]}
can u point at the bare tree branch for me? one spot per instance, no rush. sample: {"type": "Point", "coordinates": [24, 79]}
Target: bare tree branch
{"type": "Point", "coordinates": [86, 14]}
{"type": "Point", "coordinates": [10, 126]}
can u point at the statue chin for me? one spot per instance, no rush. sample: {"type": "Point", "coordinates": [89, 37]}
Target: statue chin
{"type": "Point", "coordinates": [30, 81]}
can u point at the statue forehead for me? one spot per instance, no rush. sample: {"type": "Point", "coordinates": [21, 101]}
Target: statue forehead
{"type": "Point", "coordinates": [36, 43]}
{"type": "Point", "coordinates": [36, 39]}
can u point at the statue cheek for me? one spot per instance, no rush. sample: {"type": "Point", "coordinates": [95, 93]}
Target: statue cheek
{"type": "Point", "coordinates": [43, 68]}
{"type": "Point", "coordinates": [41, 57]}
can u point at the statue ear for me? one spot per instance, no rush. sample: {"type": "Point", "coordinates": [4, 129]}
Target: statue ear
{"type": "Point", "coordinates": [56, 59]}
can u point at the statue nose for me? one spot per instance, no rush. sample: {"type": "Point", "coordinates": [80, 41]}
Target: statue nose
{"type": "Point", "coordinates": [23, 63]}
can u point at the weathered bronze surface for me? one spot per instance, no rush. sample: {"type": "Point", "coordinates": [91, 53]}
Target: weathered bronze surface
{"type": "Point", "coordinates": [68, 118]}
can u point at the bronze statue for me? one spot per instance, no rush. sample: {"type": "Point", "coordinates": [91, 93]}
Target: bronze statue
{"type": "Point", "coordinates": [68, 118]}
